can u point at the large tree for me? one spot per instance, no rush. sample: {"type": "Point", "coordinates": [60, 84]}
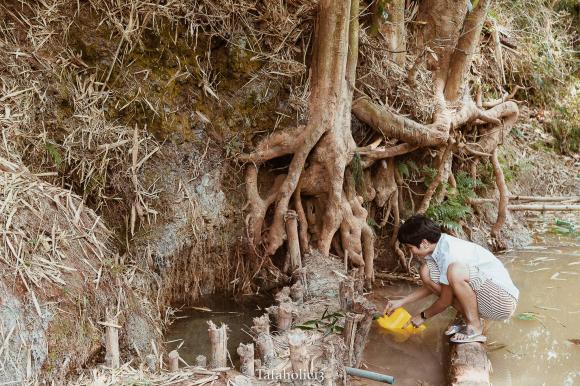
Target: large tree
{"type": "Point", "coordinates": [319, 184]}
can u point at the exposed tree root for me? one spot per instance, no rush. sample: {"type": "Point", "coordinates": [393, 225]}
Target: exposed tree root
{"type": "Point", "coordinates": [502, 205]}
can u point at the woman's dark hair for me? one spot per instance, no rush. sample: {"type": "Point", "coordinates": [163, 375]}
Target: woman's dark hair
{"type": "Point", "coordinates": [417, 228]}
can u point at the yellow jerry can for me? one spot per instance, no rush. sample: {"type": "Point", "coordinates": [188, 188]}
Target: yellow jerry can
{"type": "Point", "coordinates": [394, 325]}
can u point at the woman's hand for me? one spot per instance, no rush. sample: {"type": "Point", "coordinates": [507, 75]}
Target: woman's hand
{"type": "Point", "coordinates": [416, 321]}
{"type": "Point", "coordinates": [392, 305]}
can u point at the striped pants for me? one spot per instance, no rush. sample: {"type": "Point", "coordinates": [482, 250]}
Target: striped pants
{"type": "Point", "coordinates": [493, 302]}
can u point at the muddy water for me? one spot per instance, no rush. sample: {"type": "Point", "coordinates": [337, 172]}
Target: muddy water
{"type": "Point", "coordinates": [536, 347]}
{"type": "Point", "coordinates": [189, 330]}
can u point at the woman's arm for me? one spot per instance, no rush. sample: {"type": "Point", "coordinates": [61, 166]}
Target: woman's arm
{"type": "Point", "coordinates": [418, 294]}
{"type": "Point", "coordinates": [445, 299]}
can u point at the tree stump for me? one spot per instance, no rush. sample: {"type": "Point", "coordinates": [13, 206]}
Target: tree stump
{"type": "Point", "coordinates": [297, 292]}
{"type": "Point", "coordinates": [293, 241]}
{"type": "Point", "coordinates": [298, 354]}
{"type": "Point", "coordinates": [366, 309]}
{"type": "Point", "coordinates": [346, 293]}
{"type": "Point", "coordinates": [264, 342]}
{"type": "Point", "coordinates": [246, 353]}
{"type": "Point", "coordinates": [284, 316]}
{"type": "Point", "coordinates": [112, 356]}
{"type": "Point", "coordinates": [349, 331]}
{"type": "Point", "coordinates": [151, 361]}
{"type": "Point", "coordinates": [283, 295]}
{"type": "Point", "coordinates": [330, 373]}
{"type": "Point", "coordinates": [468, 365]}
{"type": "Point", "coordinates": [219, 340]}
{"type": "Point", "coordinates": [173, 361]}
{"type": "Point", "coordinates": [201, 361]}
{"type": "Point", "coordinates": [261, 324]}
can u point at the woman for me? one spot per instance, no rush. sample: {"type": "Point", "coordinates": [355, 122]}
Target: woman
{"type": "Point", "coordinates": [462, 274]}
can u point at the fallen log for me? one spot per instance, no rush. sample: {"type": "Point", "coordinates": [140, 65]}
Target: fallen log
{"type": "Point", "coordinates": [568, 199]}
{"type": "Point", "coordinates": [544, 208]}
{"type": "Point", "coordinates": [468, 365]}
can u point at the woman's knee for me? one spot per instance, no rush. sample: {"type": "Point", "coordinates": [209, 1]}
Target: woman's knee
{"type": "Point", "coordinates": [457, 272]}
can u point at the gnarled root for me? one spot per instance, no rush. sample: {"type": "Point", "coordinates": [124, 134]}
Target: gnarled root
{"type": "Point", "coordinates": [497, 241]}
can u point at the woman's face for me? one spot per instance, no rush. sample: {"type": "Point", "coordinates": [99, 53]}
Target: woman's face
{"type": "Point", "coordinates": [421, 251]}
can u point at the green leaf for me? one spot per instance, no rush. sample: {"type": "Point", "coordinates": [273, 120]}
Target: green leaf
{"type": "Point", "coordinates": [54, 154]}
{"type": "Point", "coordinates": [528, 316]}
{"type": "Point", "coordinates": [403, 169]}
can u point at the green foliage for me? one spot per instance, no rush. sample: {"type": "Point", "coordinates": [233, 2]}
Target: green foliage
{"type": "Point", "coordinates": [565, 127]}
{"type": "Point", "coordinates": [328, 323]}
{"type": "Point", "coordinates": [54, 154]}
{"type": "Point", "coordinates": [406, 168]}
{"type": "Point", "coordinates": [451, 211]}
{"type": "Point", "coordinates": [546, 62]}
{"type": "Point", "coordinates": [564, 228]}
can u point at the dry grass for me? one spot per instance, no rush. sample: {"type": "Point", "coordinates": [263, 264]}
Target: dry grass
{"type": "Point", "coordinates": [128, 374]}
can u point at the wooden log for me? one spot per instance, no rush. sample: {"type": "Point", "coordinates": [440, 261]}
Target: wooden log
{"type": "Point", "coordinates": [298, 354]}
{"type": "Point", "coordinates": [219, 345]}
{"type": "Point", "coordinates": [528, 198]}
{"type": "Point", "coordinates": [173, 361]}
{"type": "Point", "coordinates": [545, 208]}
{"type": "Point", "coordinates": [297, 292]}
{"type": "Point", "coordinates": [201, 361]}
{"type": "Point", "coordinates": [468, 365]}
{"type": "Point", "coordinates": [293, 240]}
{"type": "Point", "coordinates": [246, 353]}
{"type": "Point", "coordinates": [112, 356]}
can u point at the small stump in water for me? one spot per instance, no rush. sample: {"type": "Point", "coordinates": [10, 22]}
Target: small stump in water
{"type": "Point", "coordinates": [246, 353]}
{"type": "Point", "coordinates": [219, 345]}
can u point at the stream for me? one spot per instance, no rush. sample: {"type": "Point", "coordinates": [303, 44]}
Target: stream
{"type": "Point", "coordinates": [189, 330]}
{"type": "Point", "coordinates": [538, 346]}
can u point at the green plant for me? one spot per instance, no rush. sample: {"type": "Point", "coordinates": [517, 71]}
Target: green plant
{"type": "Point", "coordinates": [451, 211]}
{"type": "Point", "coordinates": [54, 154]}
{"type": "Point", "coordinates": [406, 168]}
{"type": "Point", "coordinates": [328, 323]}
{"type": "Point", "coordinates": [565, 127]}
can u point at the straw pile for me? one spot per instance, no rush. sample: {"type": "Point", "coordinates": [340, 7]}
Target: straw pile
{"type": "Point", "coordinates": [58, 274]}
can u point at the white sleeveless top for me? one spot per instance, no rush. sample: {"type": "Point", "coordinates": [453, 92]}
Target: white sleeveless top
{"type": "Point", "coordinates": [450, 249]}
